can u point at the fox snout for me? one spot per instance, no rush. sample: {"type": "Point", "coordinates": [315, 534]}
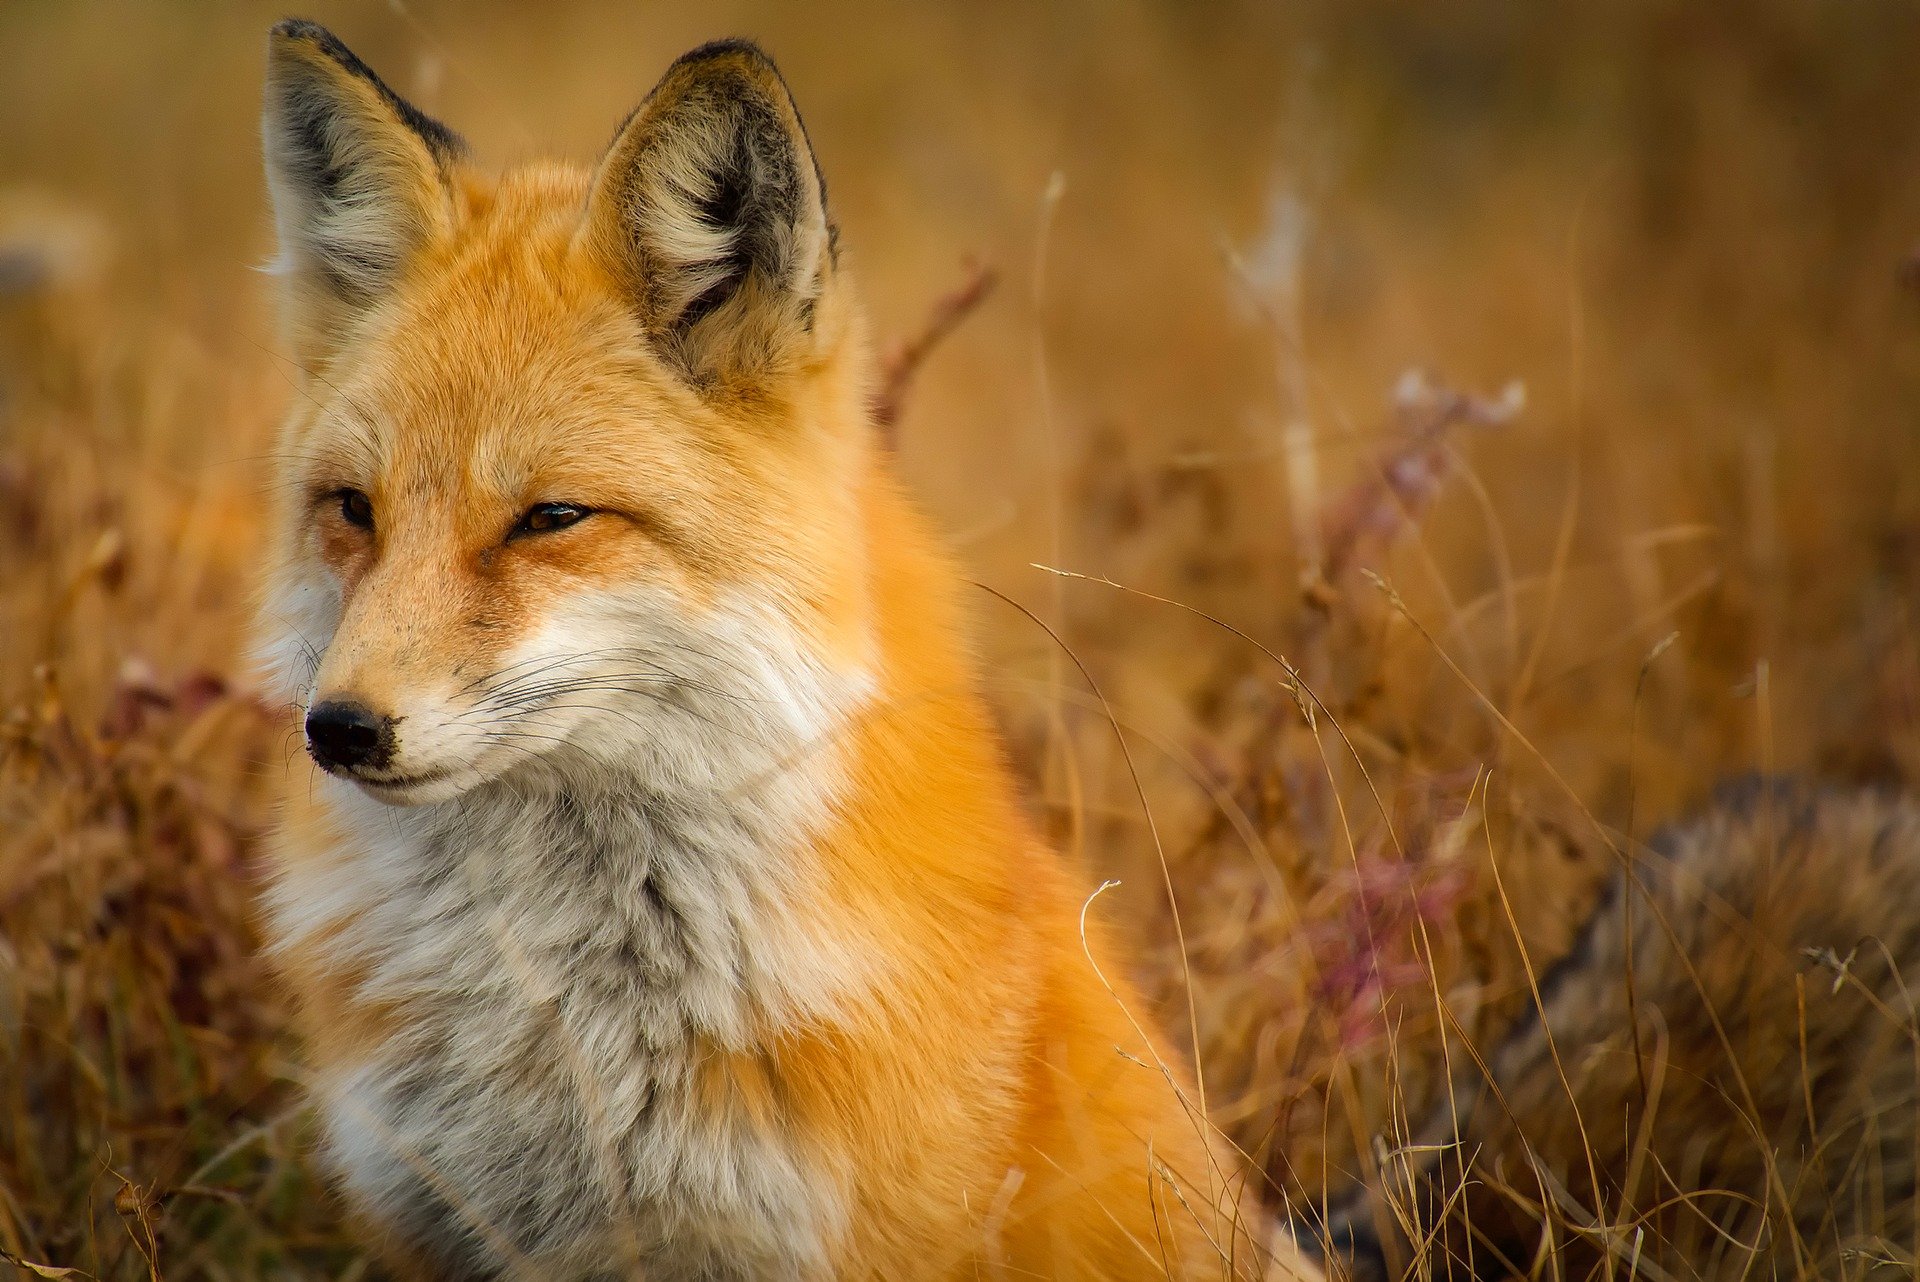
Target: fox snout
{"type": "Point", "coordinates": [346, 735]}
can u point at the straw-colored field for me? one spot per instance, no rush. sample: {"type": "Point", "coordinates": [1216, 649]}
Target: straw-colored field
{"type": "Point", "coordinates": [1649, 520]}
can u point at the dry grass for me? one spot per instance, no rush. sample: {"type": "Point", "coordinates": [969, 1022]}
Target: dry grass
{"type": "Point", "coordinates": [1394, 671]}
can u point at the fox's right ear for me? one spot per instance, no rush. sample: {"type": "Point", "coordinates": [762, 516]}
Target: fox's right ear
{"type": "Point", "coordinates": [359, 179]}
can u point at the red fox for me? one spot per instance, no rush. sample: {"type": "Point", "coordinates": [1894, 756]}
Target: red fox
{"type": "Point", "coordinates": [665, 908]}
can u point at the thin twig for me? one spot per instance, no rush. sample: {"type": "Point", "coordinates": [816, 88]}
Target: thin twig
{"type": "Point", "coordinates": [904, 357]}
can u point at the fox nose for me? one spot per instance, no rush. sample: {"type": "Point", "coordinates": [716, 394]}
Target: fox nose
{"type": "Point", "coordinates": [346, 734]}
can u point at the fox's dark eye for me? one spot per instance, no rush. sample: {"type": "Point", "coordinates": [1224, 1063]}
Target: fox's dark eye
{"type": "Point", "coordinates": [356, 509]}
{"type": "Point", "coordinates": [542, 517]}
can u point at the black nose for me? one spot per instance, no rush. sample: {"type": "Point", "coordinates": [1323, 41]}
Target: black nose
{"type": "Point", "coordinates": [346, 734]}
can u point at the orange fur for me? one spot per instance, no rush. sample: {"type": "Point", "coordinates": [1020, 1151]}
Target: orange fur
{"type": "Point", "coordinates": [973, 1091]}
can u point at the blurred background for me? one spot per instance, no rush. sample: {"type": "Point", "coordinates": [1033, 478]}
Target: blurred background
{"type": "Point", "coordinates": [1496, 424]}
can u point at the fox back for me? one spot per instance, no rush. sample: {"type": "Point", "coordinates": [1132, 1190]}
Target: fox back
{"type": "Point", "coordinates": [662, 905]}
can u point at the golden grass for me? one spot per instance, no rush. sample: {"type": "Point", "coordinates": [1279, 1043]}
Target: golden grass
{"type": "Point", "coordinates": [1356, 645]}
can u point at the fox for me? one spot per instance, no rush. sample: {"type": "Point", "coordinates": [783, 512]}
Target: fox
{"type": "Point", "coordinates": [1720, 1081]}
{"type": "Point", "coordinates": [662, 903]}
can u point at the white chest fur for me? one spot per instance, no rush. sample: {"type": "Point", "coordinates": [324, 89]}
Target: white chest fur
{"type": "Point", "coordinates": [569, 941]}
{"type": "Point", "coordinates": [564, 965]}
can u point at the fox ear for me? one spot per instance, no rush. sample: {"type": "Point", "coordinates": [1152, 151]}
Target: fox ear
{"type": "Point", "coordinates": [710, 212]}
{"type": "Point", "coordinates": [358, 176]}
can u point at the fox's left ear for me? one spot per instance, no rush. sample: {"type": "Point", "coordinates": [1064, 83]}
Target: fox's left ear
{"type": "Point", "coordinates": [358, 175]}
{"type": "Point", "coordinates": [710, 212]}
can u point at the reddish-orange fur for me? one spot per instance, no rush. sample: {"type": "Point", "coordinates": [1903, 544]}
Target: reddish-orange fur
{"type": "Point", "coordinates": [988, 1100]}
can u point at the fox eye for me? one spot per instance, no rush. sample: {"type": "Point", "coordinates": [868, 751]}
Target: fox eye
{"type": "Point", "coordinates": [542, 517]}
{"type": "Point", "coordinates": [356, 509]}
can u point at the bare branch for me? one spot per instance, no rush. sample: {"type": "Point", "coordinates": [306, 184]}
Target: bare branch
{"type": "Point", "coordinates": [904, 357]}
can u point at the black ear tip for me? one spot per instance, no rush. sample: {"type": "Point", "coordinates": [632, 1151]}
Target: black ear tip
{"type": "Point", "coordinates": [442, 141]}
{"type": "Point", "coordinates": [300, 31]}
{"type": "Point", "coordinates": [303, 29]}
{"type": "Point", "coordinates": [734, 49]}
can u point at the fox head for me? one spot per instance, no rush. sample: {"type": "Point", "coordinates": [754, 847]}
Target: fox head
{"type": "Point", "coordinates": [574, 470]}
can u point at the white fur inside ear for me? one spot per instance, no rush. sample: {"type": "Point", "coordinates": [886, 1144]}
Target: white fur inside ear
{"type": "Point", "coordinates": [355, 174]}
{"type": "Point", "coordinates": [712, 197]}
{"type": "Point", "coordinates": [340, 197]}
{"type": "Point", "coordinates": [697, 254]}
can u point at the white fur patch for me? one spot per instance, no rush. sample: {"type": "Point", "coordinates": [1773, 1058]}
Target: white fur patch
{"type": "Point", "coordinates": [297, 625]}
{"type": "Point", "coordinates": [627, 888]}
